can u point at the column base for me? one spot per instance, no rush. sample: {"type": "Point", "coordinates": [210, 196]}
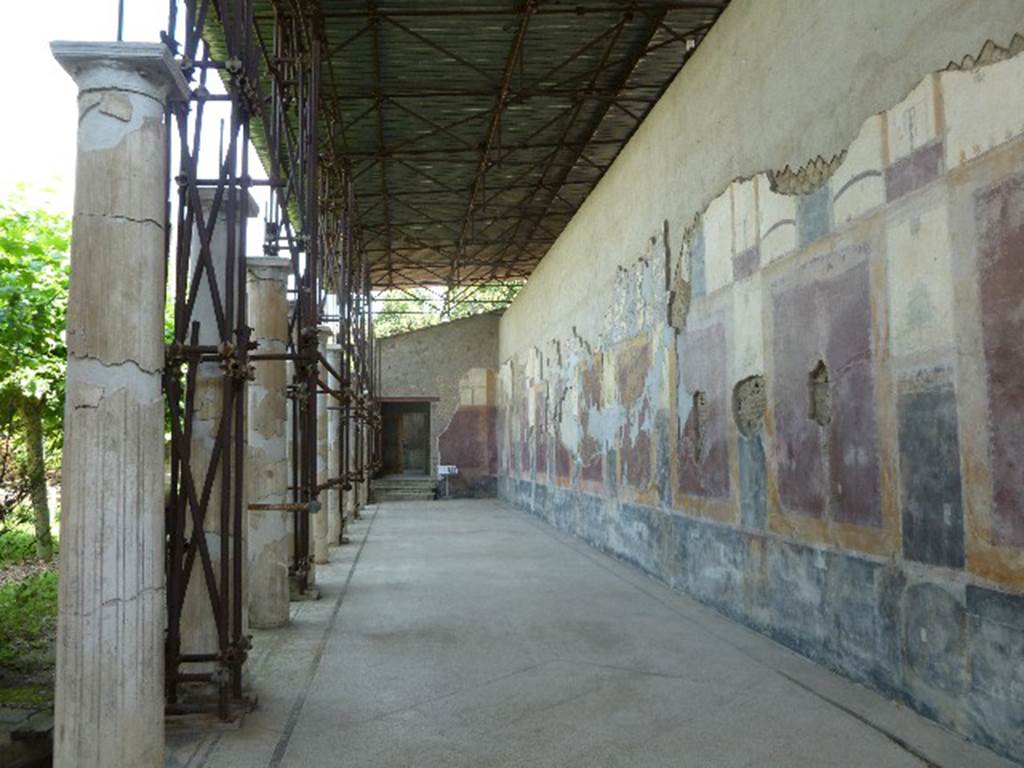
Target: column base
{"type": "Point", "coordinates": [197, 708]}
{"type": "Point", "coordinates": [297, 596]}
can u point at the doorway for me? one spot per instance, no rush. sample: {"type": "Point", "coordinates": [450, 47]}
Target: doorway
{"type": "Point", "coordinates": [406, 438]}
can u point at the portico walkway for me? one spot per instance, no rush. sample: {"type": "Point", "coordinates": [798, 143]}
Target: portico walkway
{"type": "Point", "coordinates": [466, 633]}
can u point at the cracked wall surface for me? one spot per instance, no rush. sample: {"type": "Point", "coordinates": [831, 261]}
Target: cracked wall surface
{"type": "Point", "coordinates": [804, 404]}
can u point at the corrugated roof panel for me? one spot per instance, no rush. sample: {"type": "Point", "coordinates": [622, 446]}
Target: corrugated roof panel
{"type": "Point", "coordinates": [416, 84]}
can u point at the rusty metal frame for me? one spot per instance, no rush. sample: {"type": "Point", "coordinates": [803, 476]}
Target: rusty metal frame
{"type": "Point", "coordinates": [543, 181]}
{"type": "Point", "coordinates": [190, 501]}
{"type": "Point", "coordinates": [273, 90]}
{"type": "Point", "coordinates": [273, 57]}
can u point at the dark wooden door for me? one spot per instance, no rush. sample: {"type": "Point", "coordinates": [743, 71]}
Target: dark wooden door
{"type": "Point", "coordinates": [415, 437]}
{"type": "Point", "coordinates": [406, 438]}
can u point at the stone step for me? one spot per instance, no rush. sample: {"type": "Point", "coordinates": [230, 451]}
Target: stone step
{"type": "Point", "coordinates": [401, 496]}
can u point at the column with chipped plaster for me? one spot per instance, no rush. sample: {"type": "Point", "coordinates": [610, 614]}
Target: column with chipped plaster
{"type": "Point", "coordinates": [109, 708]}
{"type": "Point", "coordinates": [355, 507]}
{"type": "Point", "coordinates": [198, 624]}
{"type": "Point", "coordinates": [268, 470]}
{"type": "Point", "coordinates": [290, 449]}
{"type": "Point", "coordinates": [349, 495]}
{"type": "Point", "coordinates": [335, 528]}
{"type": "Point", "coordinates": [321, 551]}
{"type": "Point", "coordinates": [363, 488]}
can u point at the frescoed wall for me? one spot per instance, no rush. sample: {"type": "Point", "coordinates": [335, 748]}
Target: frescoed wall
{"type": "Point", "coordinates": [805, 406]}
{"type": "Point", "coordinates": [469, 440]}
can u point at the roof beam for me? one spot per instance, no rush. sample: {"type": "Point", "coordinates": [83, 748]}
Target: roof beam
{"type": "Point", "coordinates": [576, 9]}
{"type": "Point", "coordinates": [500, 102]}
{"type": "Point", "coordinates": [437, 46]}
{"type": "Point", "coordinates": [490, 206]}
{"type": "Point", "coordinates": [632, 61]}
{"type": "Point", "coordinates": [519, 94]}
{"type": "Point", "coordinates": [377, 66]}
{"type": "Point", "coordinates": [396, 151]}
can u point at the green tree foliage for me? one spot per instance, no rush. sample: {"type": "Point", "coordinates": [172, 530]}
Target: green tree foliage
{"type": "Point", "coordinates": [34, 270]}
{"type": "Point", "coordinates": [398, 310]}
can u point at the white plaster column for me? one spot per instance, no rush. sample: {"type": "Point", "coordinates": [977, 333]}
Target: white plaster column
{"type": "Point", "coordinates": [198, 625]}
{"type": "Point", "coordinates": [109, 708]}
{"type": "Point", "coordinates": [321, 551]}
{"type": "Point", "coordinates": [268, 471]}
{"type": "Point", "coordinates": [349, 496]}
{"type": "Point", "coordinates": [289, 368]}
{"type": "Point", "coordinates": [363, 492]}
{"type": "Point", "coordinates": [333, 498]}
{"type": "Point", "coordinates": [357, 441]}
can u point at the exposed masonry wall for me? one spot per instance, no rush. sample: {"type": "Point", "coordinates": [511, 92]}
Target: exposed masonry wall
{"type": "Point", "coordinates": [437, 362]}
{"type": "Point", "coordinates": [807, 409]}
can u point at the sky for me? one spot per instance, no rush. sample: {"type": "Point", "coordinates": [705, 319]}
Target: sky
{"type": "Point", "coordinates": [38, 135]}
{"type": "Point", "coordinates": [38, 130]}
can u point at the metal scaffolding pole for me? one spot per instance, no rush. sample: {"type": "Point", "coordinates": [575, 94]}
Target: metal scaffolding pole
{"type": "Point", "coordinates": [273, 90]}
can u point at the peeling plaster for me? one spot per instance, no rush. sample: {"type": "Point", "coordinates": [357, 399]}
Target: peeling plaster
{"type": "Point", "coordinates": [107, 118]}
{"type": "Point", "coordinates": [101, 379]}
{"type": "Point", "coordinates": [738, 541]}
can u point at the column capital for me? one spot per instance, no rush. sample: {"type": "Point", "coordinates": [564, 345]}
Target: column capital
{"type": "Point", "coordinates": [269, 263]}
{"type": "Point", "coordinates": [324, 333]}
{"type": "Point", "coordinates": [206, 195]}
{"type": "Point", "coordinates": [146, 68]}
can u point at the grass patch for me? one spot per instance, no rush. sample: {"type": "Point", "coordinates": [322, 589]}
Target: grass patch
{"type": "Point", "coordinates": [18, 539]}
{"type": "Point", "coordinates": [28, 622]}
{"type": "Point", "coordinates": [17, 544]}
{"type": "Point", "coordinates": [27, 695]}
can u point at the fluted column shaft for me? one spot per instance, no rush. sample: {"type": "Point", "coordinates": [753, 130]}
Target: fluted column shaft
{"type": "Point", "coordinates": [198, 623]}
{"type": "Point", "coordinates": [320, 527]}
{"type": "Point", "coordinates": [109, 708]}
{"type": "Point", "coordinates": [268, 471]}
{"type": "Point", "coordinates": [333, 505]}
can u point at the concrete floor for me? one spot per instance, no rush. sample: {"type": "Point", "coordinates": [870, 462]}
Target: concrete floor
{"type": "Point", "coordinates": [465, 633]}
